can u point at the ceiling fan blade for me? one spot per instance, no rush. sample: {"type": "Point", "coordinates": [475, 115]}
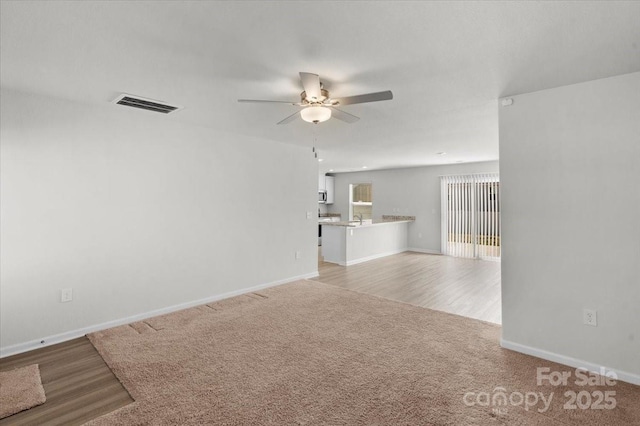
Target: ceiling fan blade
{"type": "Point", "coordinates": [311, 84]}
{"type": "Point", "coordinates": [259, 101]}
{"type": "Point", "coordinates": [290, 118]}
{"type": "Point", "coordinates": [368, 97]}
{"type": "Point", "coordinates": [343, 116]}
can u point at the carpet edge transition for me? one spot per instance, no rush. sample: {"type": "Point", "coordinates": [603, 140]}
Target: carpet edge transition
{"type": "Point", "coordinates": [21, 389]}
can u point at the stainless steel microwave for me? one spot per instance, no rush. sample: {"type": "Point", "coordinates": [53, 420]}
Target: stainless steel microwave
{"type": "Point", "coordinates": [322, 197]}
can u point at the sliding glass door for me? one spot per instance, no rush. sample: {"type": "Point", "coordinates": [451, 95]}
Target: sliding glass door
{"type": "Point", "coordinates": [471, 216]}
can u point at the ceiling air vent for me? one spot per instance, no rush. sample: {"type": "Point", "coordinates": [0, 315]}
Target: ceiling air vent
{"type": "Point", "coordinates": [148, 104]}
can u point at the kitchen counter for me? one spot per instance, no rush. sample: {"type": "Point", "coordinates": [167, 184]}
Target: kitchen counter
{"type": "Point", "coordinates": [356, 224]}
{"type": "Point", "coordinates": [348, 243]}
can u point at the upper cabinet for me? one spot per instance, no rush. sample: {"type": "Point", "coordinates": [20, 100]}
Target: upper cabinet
{"type": "Point", "coordinates": [329, 187]}
{"type": "Point", "coordinates": [322, 185]}
{"type": "Point", "coordinates": [326, 184]}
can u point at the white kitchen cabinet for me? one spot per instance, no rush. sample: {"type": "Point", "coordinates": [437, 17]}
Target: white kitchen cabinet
{"type": "Point", "coordinates": [329, 187]}
{"type": "Point", "coordinates": [322, 184]}
{"type": "Point", "coordinates": [326, 184]}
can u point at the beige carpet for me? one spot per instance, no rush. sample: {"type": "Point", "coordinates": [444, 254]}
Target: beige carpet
{"type": "Point", "coordinates": [20, 389]}
{"type": "Point", "coordinates": [310, 353]}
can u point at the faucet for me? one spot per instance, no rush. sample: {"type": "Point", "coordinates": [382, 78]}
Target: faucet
{"type": "Point", "coordinates": [359, 217]}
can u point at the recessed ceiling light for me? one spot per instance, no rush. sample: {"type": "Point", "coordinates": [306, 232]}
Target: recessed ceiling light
{"type": "Point", "coordinates": [330, 170]}
{"type": "Point", "coordinates": [320, 159]}
{"type": "Point", "coordinates": [364, 167]}
{"type": "Point", "coordinates": [441, 153]}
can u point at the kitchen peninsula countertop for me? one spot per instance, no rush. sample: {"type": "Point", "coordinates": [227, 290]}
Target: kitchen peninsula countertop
{"type": "Point", "coordinates": [384, 221]}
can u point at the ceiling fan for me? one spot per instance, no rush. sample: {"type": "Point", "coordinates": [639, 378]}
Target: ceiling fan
{"type": "Point", "coordinates": [317, 106]}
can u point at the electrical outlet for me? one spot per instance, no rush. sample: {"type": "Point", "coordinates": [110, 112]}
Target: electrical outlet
{"type": "Point", "coordinates": [298, 254]}
{"type": "Point", "coordinates": [590, 317]}
{"type": "Point", "coordinates": [66, 295]}
{"type": "Point", "coordinates": [309, 215]}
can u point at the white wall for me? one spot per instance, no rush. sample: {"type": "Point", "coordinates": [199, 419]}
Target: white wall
{"type": "Point", "coordinates": [408, 192]}
{"type": "Point", "coordinates": [137, 212]}
{"type": "Point", "coordinates": [570, 180]}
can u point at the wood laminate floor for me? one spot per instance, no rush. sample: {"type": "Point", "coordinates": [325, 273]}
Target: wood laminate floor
{"type": "Point", "coordinates": [466, 287]}
{"type": "Point", "coordinates": [78, 384]}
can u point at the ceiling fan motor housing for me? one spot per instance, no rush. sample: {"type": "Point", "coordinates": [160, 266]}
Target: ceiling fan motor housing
{"type": "Point", "coordinates": [324, 94]}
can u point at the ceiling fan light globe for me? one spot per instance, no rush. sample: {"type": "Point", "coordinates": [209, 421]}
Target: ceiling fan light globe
{"type": "Point", "coordinates": [315, 114]}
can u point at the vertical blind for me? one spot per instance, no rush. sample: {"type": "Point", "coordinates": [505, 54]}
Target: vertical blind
{"type": "Point", "coordinates": [471, 215]}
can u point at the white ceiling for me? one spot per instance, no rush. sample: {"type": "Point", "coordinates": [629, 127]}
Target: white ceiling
{"type": "Point", "coordinates": [447, 63]}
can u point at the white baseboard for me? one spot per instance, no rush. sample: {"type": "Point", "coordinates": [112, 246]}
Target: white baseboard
{"type": "Point", "coordinates": [571, 362]}
{"type": "Point", "coordinates": [375, 256]}
{"type": "Point", "coordinates": [389, 253]}
{"type": "Point", "coordinates": [421, 250]}
{"type": "Point", "coordinates": [68, 335]}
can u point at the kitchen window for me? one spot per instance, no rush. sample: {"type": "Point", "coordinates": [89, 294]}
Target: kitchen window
{"type": "Point", "coordinates": [360, 201]}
